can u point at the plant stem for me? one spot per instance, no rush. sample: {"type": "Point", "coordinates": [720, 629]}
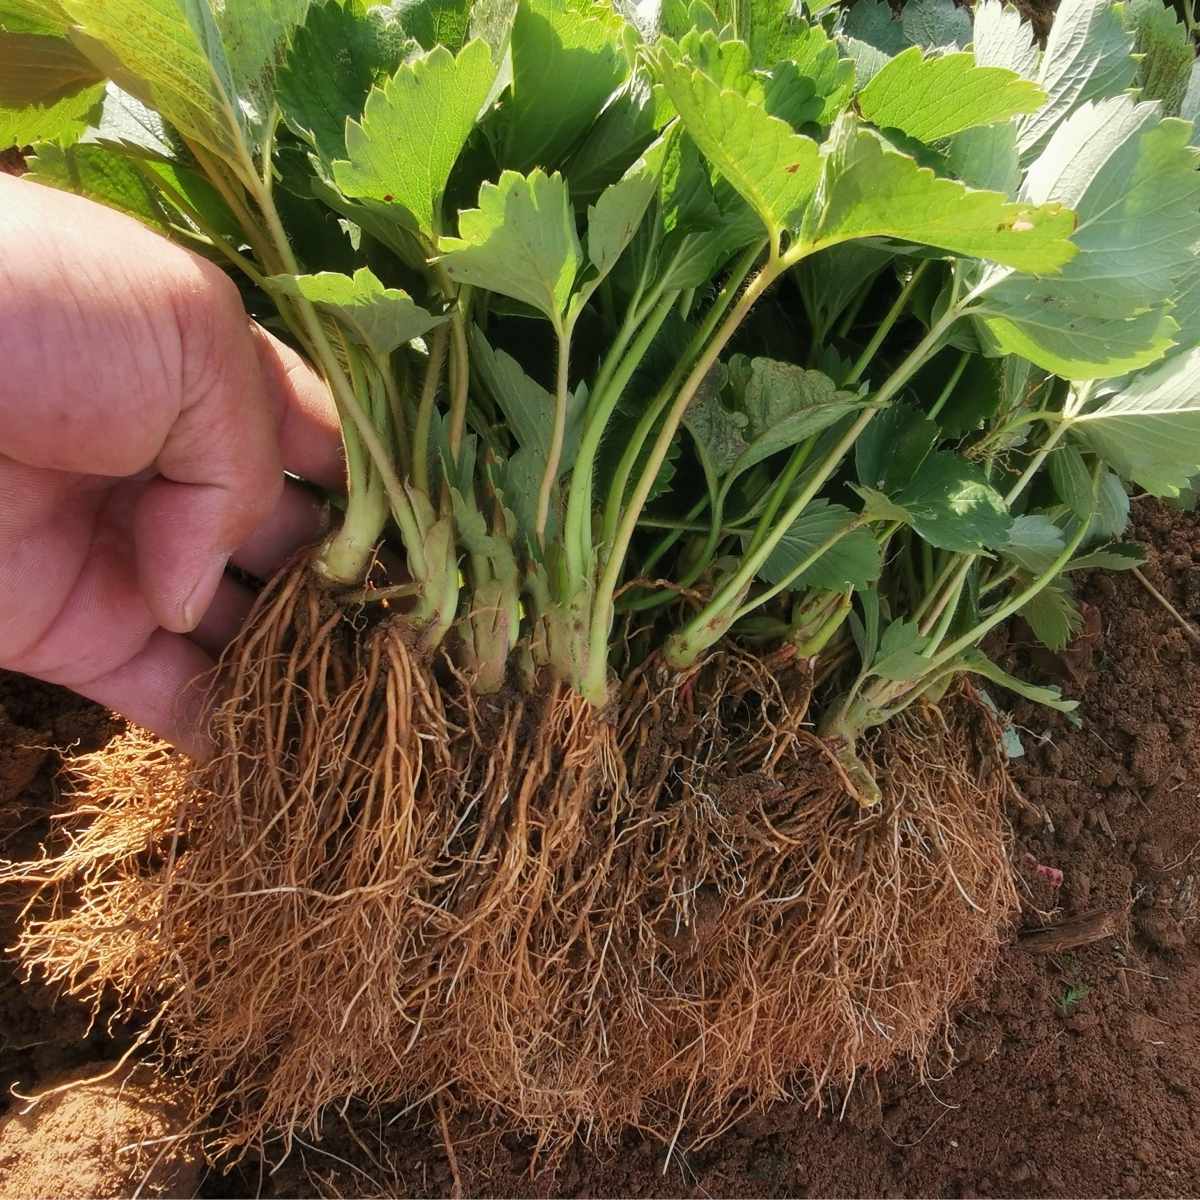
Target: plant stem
{"type": "Point", "coordinates": [864, 359]}
{"type": "Point", "coordinates": [433, 375]}
{"type": "Point", "coordinates": [459, 372]}
{"type": "Point", "coordinates": [550, 474]}
{"type": "Point", "coordinates": [951, 384]}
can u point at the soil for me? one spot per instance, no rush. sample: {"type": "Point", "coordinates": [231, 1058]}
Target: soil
{"type": "Point", "coordinates": [1076, 1070]}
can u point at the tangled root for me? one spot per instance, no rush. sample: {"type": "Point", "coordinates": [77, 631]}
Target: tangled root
{"type": "Point", "coordinates": [387, 887]}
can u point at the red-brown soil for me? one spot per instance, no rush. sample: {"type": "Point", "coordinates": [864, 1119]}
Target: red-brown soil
{"type": "Point", "coordinates": [1077, 1066]}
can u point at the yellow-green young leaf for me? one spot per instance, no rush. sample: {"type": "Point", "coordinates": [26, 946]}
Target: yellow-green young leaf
{"type": "Point", "coordinates": [1053, 615]}
{"type": "Point", "coordinates": [520, 242]}
{"type": "Point", "coordinates": [774, 169]}
{"type": "Point", "coordinates": [60, 121]}
{"type": "Point", "coordinates": [34, 16]}
{"type": "Point", "coordinates": [255, 34]}
{"type": "Point", "coordinates": [870, 189]}
{"type": "Point", "coordinates": [929, 98]}
{"type": "Point", "coordinates": [169, 55]}
{"type": "Point", "coordinates": [412, 131]}
{"type": "Point", "coordinates": [374, 316]}
{"type": "Point", "coordinates": [616, 215]}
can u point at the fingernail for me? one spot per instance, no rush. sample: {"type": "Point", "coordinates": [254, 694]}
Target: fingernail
{"type": "Point", "coordinates": [202, 594]}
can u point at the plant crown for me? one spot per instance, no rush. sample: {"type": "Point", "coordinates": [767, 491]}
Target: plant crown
{"type": "Point", "coordinates": [648, 326]}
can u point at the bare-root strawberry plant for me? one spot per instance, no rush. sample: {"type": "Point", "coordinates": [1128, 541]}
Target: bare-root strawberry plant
{"type": "Point", "coordinates": [712, 381]}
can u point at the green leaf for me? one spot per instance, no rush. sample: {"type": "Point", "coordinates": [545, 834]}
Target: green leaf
{"type": "Point", "coordinates": [436, 22]}
{"type": "Point", "coordinates": [987, 157]}
{"type": "Point", "coordinates": [890, 451]}
{"type": "Point", "coordinates": [974, 660]}
{"type": "Point", "coordinates": [100, 175]}
{"type": "Point", "coordinates": [44, 17]}
{"type": "Point", "coordinates": [935, 24]}
{"type": "Point", "coordinates": [616, 215]}
{"type": "Point", "coordinates": [614, 142]}
{"type": "Point", "coordinates": [899, 657]}
{"type": "Point", "coordinates": [1150, 431]}
{"type": "Point", "coordinates": [1053, 615]}
{"type": "Point", "coordinates": [379, 318]}
{"type": "Point", "coordinates": [1002, 39]}
{"type": "Point", "coordinates": [831, 279]}
{"type": "Point", "coordinates": [1132, 180]}
{"type": "Point", "coordinates": [1072, 480]}
{"type": "Point", "coordinates": [784, 404]}
{"type": "Point", "coordinates": [566, 62]}
{"type": "Point", "coordinates": [952, 506]}
{"type": "Point", "coordinates": [1034, 542]}
{"type": "Point", "coordinates": [872, 22]}
{"type": "Point", "coordinates": [868, 61]}
{"type": "Point", "coordinates": [1111, 514]}
{"type": "Point", "coordinates": [871, 190]}
{"type": "Point", "coordinates": [169, 55]}
{"type": "Point", "coordinates": [774, 169]}
{"type": "Point", "coordinates": [1165, 50]}
{"type": "Point", "coordinates": [337, 56]}
{"type": "Point", "coordinates": [799, 53]}
{"type": "Point", "coordinates": [1087, 58]}
{"type": "Point", "coordinates": [41, 70]}
{"type": "Point", "coordinates": [255, 34]}
{"type": "Point", "coordinates": [1116, 556]}
{"type": "Point", "coordinates": [520, 242]}
{"type": "Point", "coordinates": [48, 90]}
{"type": "Point", "coordinates": [853, 561]}
{"type": "Point", "coordinates": [929, 98]}
{"type": "Point", "coordinates": [1040, 321]}
{"type": "Point", "coordinates": [412, 131]}
{"type": "Point", "coordinates": [716, 430]}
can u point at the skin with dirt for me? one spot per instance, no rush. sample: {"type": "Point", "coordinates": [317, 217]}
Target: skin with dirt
{"type": "Point", "coordinates": [1078, 1063]}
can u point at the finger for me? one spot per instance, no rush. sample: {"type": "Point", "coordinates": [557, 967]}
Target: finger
{"type": "Point", "coordinates": [299, 519]}
{"type": "Point", "coordinates": [164, 689]}
{"type": "Point", "coordinates": [221, 622]}
{"type": "Point", "coordinates": [310, 437]}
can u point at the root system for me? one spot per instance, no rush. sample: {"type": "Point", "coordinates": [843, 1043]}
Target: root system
{"type": "Point", "coordinates": [385, 886]}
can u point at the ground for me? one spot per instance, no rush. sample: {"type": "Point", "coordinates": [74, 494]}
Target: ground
{"type": "Point", "coordinates": [1075, 1068]}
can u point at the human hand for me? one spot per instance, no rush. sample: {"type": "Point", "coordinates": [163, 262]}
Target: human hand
{"type": "Point", "coordinates": [145, 425]}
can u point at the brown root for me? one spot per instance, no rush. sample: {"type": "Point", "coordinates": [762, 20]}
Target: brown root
{"type": "Point", "coordinates": [386, 886]}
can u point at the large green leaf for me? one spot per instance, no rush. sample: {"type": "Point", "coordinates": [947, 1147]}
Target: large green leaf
{"type": "Point", "coordinates": [853, 561]}
{"type": "Point", "coordinates": [1132, 181]}
{"type": "Point", "coordinates": [616, 215]}
{"type": "Point", "coordinates": [337, 55]}
{"type": "Point", "coordinates": [890, 451]}
{"type": "Point", "coordinates": [44, 17]}
{"type": "Point", "coordinates": [936, 24]}
{"type": "Point", "coordinates": [716, 430]}
{"type": "Point", "coordinates": [1042, 322]}
{"type": "Point", "coordinates": [49, 91]}
{"type": "Point", "coordinates": [614, 142]}
{"type": "Point", "coordinates": [784, 404]}
{"type": "Point", "coordinates": [987, 157]}
{"type": "Point", "coordinates": [773, 168]}
{"type": "Point", "coordinates": [379, 318]}
{"type": "Point", "coordinates": [1165, 50]}
{"type": "Point", "coordinates": [952, 506]}
{"type": "Point", "coordinates": [1150, 431]}
{"type": "Point", "coordinates": [436, 22]}
{"type": "Point", "coordinates": [412, 131]}
{"type": "Point", "coordinates": [101, 175]}
{"type": "Point", "coordinates": [1087, 58]}
{"type": "Point", "coordinates": [801, 54]}
{"type": "Point", "coordinates": [520, 242]}
{"type": "Point", "coordinates": [870, 189]}
{"type": "Point", "coordinates": [929, 98]}
{"type": "Point", "coordinates": [873, 23]}
{"type": "Point", "coordinates": [566, 62]}
{"type": "Point", "coordinates": [1002, 39]}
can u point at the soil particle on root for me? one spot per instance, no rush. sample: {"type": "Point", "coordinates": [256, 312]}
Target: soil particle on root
{"type": "Point", "coordinates": [1088, 1098]}
{"type": "Point", "coordinates": [95, 1136]}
